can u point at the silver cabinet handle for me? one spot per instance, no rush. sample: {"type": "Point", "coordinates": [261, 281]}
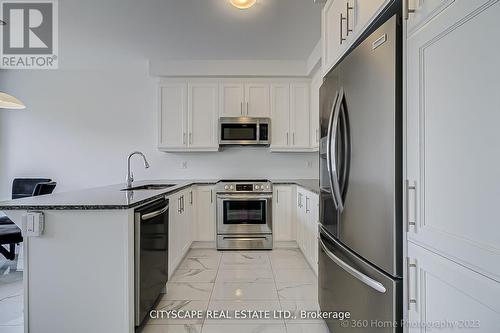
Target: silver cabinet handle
{"type": "Point", "coordinates": [352, 271]}
{"type": "Point", "coordinates": [409, 266]}
{"type": "Point", "coordinates": [191, 198]}
{"type": "Point", "coordinates": [241, 108]}
{"type": "Point", "coordinates": [277, 196]}
{"type": "Point", "coordinates": [211, 196]}
{"type": "Point", "coordinates": [307, 204]}
{"type": "Point", "coordinates": [342, 39]}
{"type": "Point", "coordinates": [348, 8]}
{"type": "Point", "coordinates": [407, 10]}
{"type": "Point", "coordinates": [287, 138]}
{"type": "Point", "coordinates": [184, 138]}
{"type": "Point", "coordinates": [190, 138]}
{"type": "Point", "coordinates": [293, 138]}
{"type": "Point", "coordinates": [151, 215]}
{"type": "Point", "coordinates": [179, 210]}
{"type": "Point", "coordinates": [411, 205]}
{"type": "Point", "coordinates": [317, 135]}
{"type": "Point", "coordinates": [247, 109]}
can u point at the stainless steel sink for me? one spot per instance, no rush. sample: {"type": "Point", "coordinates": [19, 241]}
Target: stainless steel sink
{"type": "Point", "coordinates": [149, 187]}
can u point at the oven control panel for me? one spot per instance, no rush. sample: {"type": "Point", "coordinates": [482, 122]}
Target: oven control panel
{"type": "Point", "coordinates": [262, 187]}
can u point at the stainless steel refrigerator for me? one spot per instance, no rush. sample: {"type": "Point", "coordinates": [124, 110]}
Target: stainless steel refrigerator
{"type": "Point", "coordinates": [360, 243]}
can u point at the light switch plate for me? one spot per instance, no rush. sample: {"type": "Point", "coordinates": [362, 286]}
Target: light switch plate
{"type": "Point", "coordinates": [33, 224]}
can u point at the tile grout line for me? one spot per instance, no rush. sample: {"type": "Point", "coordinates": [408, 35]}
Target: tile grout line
{"type": "Point", "coordinates": [213, 288]}
{"type": "Point", "coordinates": [277, 293]}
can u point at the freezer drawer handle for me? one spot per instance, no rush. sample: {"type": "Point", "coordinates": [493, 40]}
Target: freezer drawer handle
{"type": "Point", "coordinates": [357, 274]}
{"type": "Point", "coordinates": [149, 216]}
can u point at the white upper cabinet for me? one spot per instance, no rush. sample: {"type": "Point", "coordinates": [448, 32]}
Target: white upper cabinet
{"type": "Point", "coordinates": [280, 112]}
{"type": "Point", "coordinates": [188, 116]}
{"type": "Point", "coordinates": [203, 111]}
{"type": "Point", "coordinates": [343, 21]}
{"type": "Point", "coordinates": [232, 98]}
{"type": "Point", "coordinates": [333, 32]}
{"type": "Point", "coordinates": [257, 100]}
{"type": "Point", "coordinates": [249, 99]}
{"type": "Point", "coordinates": [299, 115]}
{"type": "Point", "coordinates": [172, 115]}
{"type": "Point", "coordinates": [316, 83]}
{"type": "Point", "coordinates": [453, 141]}
{"type": "Point", "coordinates": [290, 109]}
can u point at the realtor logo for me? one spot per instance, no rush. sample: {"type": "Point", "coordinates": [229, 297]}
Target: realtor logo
{"type": "Point", "coordinates": [29, 35]}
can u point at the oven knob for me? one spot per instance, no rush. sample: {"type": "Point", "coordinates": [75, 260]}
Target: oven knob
{"type": "Point", "coordinates": [256, 187]}
{"type": "Point", "coordinates": [226, 187]}
{"type": "Point", "coordinates": [231, 187]}
{"type": "Point", "coordinates": [267, 187]}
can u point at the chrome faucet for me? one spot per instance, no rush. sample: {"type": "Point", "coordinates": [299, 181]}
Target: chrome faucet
{"type": "Point", "coordinates": [130, 175]}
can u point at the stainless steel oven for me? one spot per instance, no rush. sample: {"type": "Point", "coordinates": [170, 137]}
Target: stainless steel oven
{"type": "Point", "coordinates": [244, 131]}
{"type": "Point", "coordinates": [244, 215]}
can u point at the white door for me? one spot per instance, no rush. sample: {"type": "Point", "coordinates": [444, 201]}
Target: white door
{"type": "Point", "coordinates": [299, 113]}
{"type": "Point", "coordinates": [333, 30]}
{"type": "Point", "coordinates": [232, 97]}
{"type": "Point", "coordinates": [173, 115]}
{"type": "Point", "coordinates": [203, 110]}
{"type": "Point", "coordinates": [282, 213]}
{"type": "Point", "coordinates": [257, 100]}
{"type": "Point", "coordinates": [205, 214]}
{"type": "Point", "coordinates": [440, 291]}
{"type": "Point", "coordinates": [453, 147]}
{"type": "Point", "coordinates": [280, 110]}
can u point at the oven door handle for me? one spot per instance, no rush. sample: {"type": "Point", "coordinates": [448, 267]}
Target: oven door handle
{"type": "Point", "coordinates": [244, 197]}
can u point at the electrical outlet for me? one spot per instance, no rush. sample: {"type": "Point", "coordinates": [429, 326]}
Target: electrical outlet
{"type": "Point", "coordinates": [184, 165]}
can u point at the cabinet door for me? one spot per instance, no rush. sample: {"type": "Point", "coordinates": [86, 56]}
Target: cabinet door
{"type": "Point", "coordinates": [257, 100]}
{"type": "Point", "coordinates": [280, 110]}
{"type": "Point", "coordinates": [453, 142]}
{"type": "Point", "coordinates": [205, 214]}
{"type": "Point", "coordinates": [300, 218]}
{"type": "Point", "coordinates": [282, 213]}
{"type": "Point", "coordinates": [333, 32]}
{"type": "Point", "coordinates": [203, 110]}
{"type": "Point", "coordinates": [314, 113]}
{"type": "Point", "coordinates": [361, 13]}
{"type": "Point", "coordinates": [231, 99]}
{"type": "Point", "coordinates": [443, 291]}
{"type": "Point", "coordinates": [299, 113]}
{"type": "Point", "coordinates": [173, 115]}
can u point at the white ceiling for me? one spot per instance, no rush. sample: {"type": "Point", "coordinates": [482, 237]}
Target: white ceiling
{"type": "Point", "coordinates": [193, 29]}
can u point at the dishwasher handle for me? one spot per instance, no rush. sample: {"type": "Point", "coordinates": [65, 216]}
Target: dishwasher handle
{"type": "Point", "coordinates": [152, 215]}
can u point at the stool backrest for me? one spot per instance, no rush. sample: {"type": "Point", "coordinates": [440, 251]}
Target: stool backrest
{"type": "Point", "coordinates": [25, 187]}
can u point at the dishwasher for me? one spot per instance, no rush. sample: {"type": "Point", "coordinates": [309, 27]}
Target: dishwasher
{"type": "Point", "coordinates": [150, 257]}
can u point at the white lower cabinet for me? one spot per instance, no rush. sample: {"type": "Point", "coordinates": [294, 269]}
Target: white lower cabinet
{"type": "Point", "coordinates": [282, 213]}
{"type": "Point", "coordinates": [179, 227]}
{"type": "Point", "coordinates": [442, 292]}
{"type": "Point", "coordinates": [204, 214]}
{"type": "Point", "coordinates": [306, 218]}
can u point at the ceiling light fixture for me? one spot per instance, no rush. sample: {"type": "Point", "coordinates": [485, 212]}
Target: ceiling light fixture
{"type": "Point", "coordinates": [10, 102]}
{"type": "Point", "coordinates": [243, 4]}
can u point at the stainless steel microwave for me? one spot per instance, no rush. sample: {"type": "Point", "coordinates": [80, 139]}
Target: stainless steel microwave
{"type": "Point", "coordinates": [244, 131]}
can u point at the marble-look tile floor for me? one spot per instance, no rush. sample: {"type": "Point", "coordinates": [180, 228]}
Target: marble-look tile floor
{"type": "Point", "coordinates": [277, 280]}
{"type": "Point", "coordinates": [11, 297]}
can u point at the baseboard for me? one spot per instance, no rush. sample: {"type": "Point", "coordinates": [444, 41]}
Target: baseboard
{"type": "Point", "coordinates": [203, 245]}
{"type": "Point", "coordinates": [285, 245]}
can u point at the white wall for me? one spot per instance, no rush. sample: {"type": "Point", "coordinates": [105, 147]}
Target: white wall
{"type": "Point", "coordinates": [84, 118]}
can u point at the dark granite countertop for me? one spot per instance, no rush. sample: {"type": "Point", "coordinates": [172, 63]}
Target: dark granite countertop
{"type": "Point", "coordinates": [112, 196]}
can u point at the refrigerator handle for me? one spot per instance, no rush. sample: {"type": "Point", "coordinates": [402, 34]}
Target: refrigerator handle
{"type": "Point", "coordinates": [346, 146]}
{"type": "Point", "coordinates": [333, 154]}
{"type": "Point", "coordinates": [329, 148]}
{"type": "Point", "coordinates": [354, 272]}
